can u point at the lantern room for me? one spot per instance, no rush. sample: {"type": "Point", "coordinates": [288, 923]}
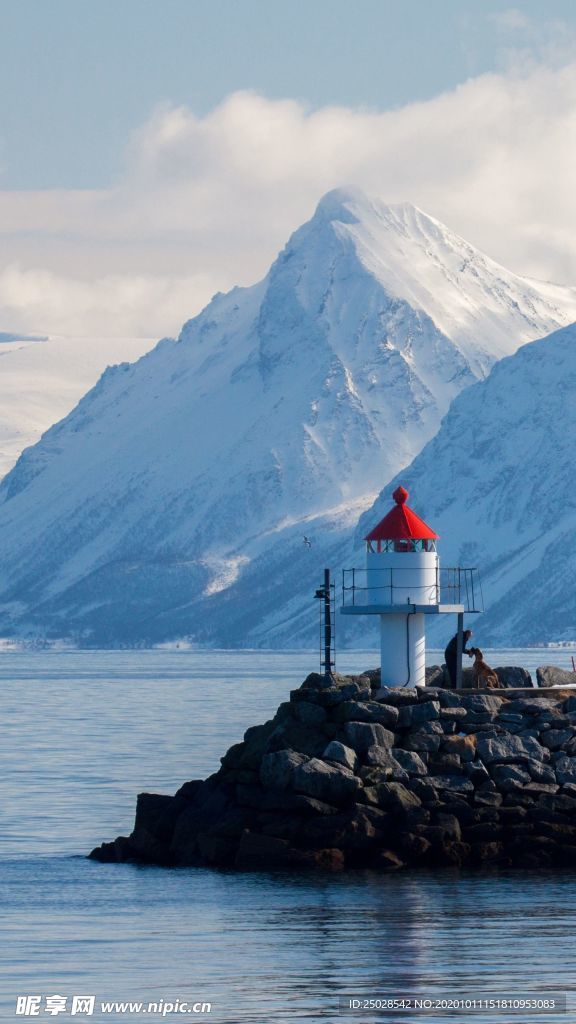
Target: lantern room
{"type": "Point", "coordinates": [401, 558]}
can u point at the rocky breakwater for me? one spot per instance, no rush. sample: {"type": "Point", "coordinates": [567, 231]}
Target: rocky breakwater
{"type": "Point", "coordinates": [348, 775]}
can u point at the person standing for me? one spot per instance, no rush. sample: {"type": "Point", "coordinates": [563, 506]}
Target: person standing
{"type": "Point", "coordinates": [451, 655]}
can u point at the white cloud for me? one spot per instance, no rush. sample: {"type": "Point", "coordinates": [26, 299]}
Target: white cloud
{"type": "Point", "coordinates": [205, 203]}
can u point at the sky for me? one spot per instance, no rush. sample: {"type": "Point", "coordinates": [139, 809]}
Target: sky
{"type": "Point", "coordinates": [153, 152]}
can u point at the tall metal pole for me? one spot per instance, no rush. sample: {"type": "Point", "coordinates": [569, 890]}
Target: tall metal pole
{"type": "Point", "coordinates": [459, 647]}
{"type": "Point", "coordinates": [327, 624]}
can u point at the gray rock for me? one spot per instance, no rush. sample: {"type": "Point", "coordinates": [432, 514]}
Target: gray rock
{"type": "Point", "coordinates": [508, 749]}
{"type": "Point", "coordinates": [487, 799]}
{"type": "Point", "coordinates": [476, 772]}
{"type": "Point", "coordinates": [420, 741]}
{"type": "Point", "coordinates": [541, 787]}
{"type": "Point", "coordinates": [410, 761]}
{"type": "Point", "coordinates": [450, 825]}
{"type": "Point", "coordinates": [509, 777]}
{"type": "Point", "coordinates": [454, 783]}
{"type": "Point", "coordinates": [531, 706]}
{"type": "Point", "coordinates": [381, 757]}
{"type": "Point", "coordinates": [434, 675]}
{"type": "Point", "coordinates": [508, 718]}
{"type": "Point", "coordinates": [565, 769]}
{"type": "Point", "coordinates": [540, 772]}
{"type": "Point", "coordinates": [513, 676]}
{"type": "Point", "coordinates": [478, 703]}
{"type": "Point", "coordinates": [531, 733]}
{"type": "Point", "coordinates": [432, 728]}
{"type": "Point", "coordinates": [552, 719]}
{"type": "Point", "coordinates": [414, 715]}
{"type": "Point", "coordinates": [444, 763]}
{"type": "Point", "coordinates": [259, 852]}
{"type": "Point", "coordinates": [277, 769]}
{"type": "Point", "coordinates": [341, 754]}
{"type": "Point", "coordinates": [362, 735]}
{"type": "Point", "coordinates": [396, 696]}
{"type": "Point", "coordinates": [150, 808]}
{"type": "Point", "coordinates": [396, 797]}
{"type": "Point", "coordinates": [367, 711]}
{"type": "Point", "coordinates": [337, 694]}
{"type": "Point", "coordinates": [569, 789]}
{"type": "Point", "coordinates": [309, 714]}
{"type": "Point", "coordinates": [550, 675]}
{"type": "Point", "coordinates": [455, 714]}
{"type": "Point", "coordinates": [449, 699]}
{"type": "Point", "coordinates": [315, 681]}
{"type": "Point", "coordinates": [422, 788]}
{"type": "Point", "coordinates": [293, 735]}
{"type": "Point", "coordinates": [426, 693]}
{"type": "Point", "coordinates": [332, 783]}
{"type": "Point", "coordinates": [362, 831]}
{"type": "Point", "coordinates": [556, 738]}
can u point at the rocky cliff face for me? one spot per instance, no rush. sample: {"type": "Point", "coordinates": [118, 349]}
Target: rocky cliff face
{"type": "Point", "coordinates": [174, 499]}
{"type": "Point", "coordinates": [351, 775]}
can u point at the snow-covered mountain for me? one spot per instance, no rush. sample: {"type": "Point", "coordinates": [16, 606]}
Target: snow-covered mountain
{"type": "Point", "coordinates": [42, 379]}
{"type": "Point", "coordinates": [497, 483]}
{"type": "Point", "coordinates": [175, 498]}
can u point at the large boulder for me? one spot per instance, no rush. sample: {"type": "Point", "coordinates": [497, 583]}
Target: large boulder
{"type": "Point", "coordinates": [367, 711]}
{"type": "Point", "coordinates": [436, 675]}
{"type": "Point", "coordinates": [414, 715]}
{"type": "Point", "coordinates": [277, 768]}
{"type": "Point", "coordinates": [381, 757]}
{"type": "Point", "coordinates": [551, 675]}
{"type": "Point", "coordinates": [565, 769]}
{"type": "Point", "coordinates": [455, 783]}
{"type": "Point", "coordinates": [362, 735]}
{"type": "Point", "coordinates": [395, 797]}
{"type": "Point", "coordinates": [507, 749]}
{"type": "Point", "coordinates": [333, 783]}
{"type": "Point", "coordinates": [338, 752]}
{"type": "Point", "coordinates": [514, 676]}
{"type": "Point", "coordinates": [410, 761]}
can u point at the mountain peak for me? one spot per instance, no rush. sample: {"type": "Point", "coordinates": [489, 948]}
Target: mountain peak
{"type": "Point", "coordinates": [339, 204]}
{"type": "Point", "coordinates": [350, 204]}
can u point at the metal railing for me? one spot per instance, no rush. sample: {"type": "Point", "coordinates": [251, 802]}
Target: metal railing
{"type": "Point", "coordinates": [394, 585]}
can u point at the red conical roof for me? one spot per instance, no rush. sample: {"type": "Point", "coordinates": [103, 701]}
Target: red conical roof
{"type": "Point", "coordinates": [401, 523]}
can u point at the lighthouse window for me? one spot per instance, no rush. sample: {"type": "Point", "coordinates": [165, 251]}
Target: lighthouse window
{"type": "Point", "coordinates": [404, 545]}
{"type": "Point", "coordinates": [401, 545]}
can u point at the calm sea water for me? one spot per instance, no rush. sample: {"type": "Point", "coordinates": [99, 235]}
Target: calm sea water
{"type": "Point", "coordinates": [84, 732]}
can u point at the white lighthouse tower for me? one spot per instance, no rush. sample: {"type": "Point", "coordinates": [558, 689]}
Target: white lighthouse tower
{"type": "Point", "coordinates": [401, 584]}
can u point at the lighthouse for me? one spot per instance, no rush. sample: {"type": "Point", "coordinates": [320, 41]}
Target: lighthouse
{"type": "Point", "coordinates": [402, 586]}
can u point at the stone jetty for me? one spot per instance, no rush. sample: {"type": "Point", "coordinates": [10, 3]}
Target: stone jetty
{"type": "Point", "coordinates": [348, 775]}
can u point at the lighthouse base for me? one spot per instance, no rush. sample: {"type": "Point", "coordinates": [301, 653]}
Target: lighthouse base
{"type": "Point", "coordinates": [403, 649]}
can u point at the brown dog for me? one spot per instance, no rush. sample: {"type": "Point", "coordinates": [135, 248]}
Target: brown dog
{"type": "Point", "coordinates": [483, 674]}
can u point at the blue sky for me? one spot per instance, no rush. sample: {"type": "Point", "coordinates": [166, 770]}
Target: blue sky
{"type": "Point", "coordinates": [153, 152]}
{"type": "Point", "coordinates": [78, 76]}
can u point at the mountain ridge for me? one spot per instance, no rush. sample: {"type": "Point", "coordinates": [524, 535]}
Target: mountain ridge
{"type": "Point", "coordinates": [173, 499]}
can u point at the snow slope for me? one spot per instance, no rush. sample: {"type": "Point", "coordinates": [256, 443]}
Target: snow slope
{"type": "Point", "coordinates": [42, 379]}
{"type": "Point", "coordinates": [174, 499]}
{"type": "Point", "coordinates": [497, 482]}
